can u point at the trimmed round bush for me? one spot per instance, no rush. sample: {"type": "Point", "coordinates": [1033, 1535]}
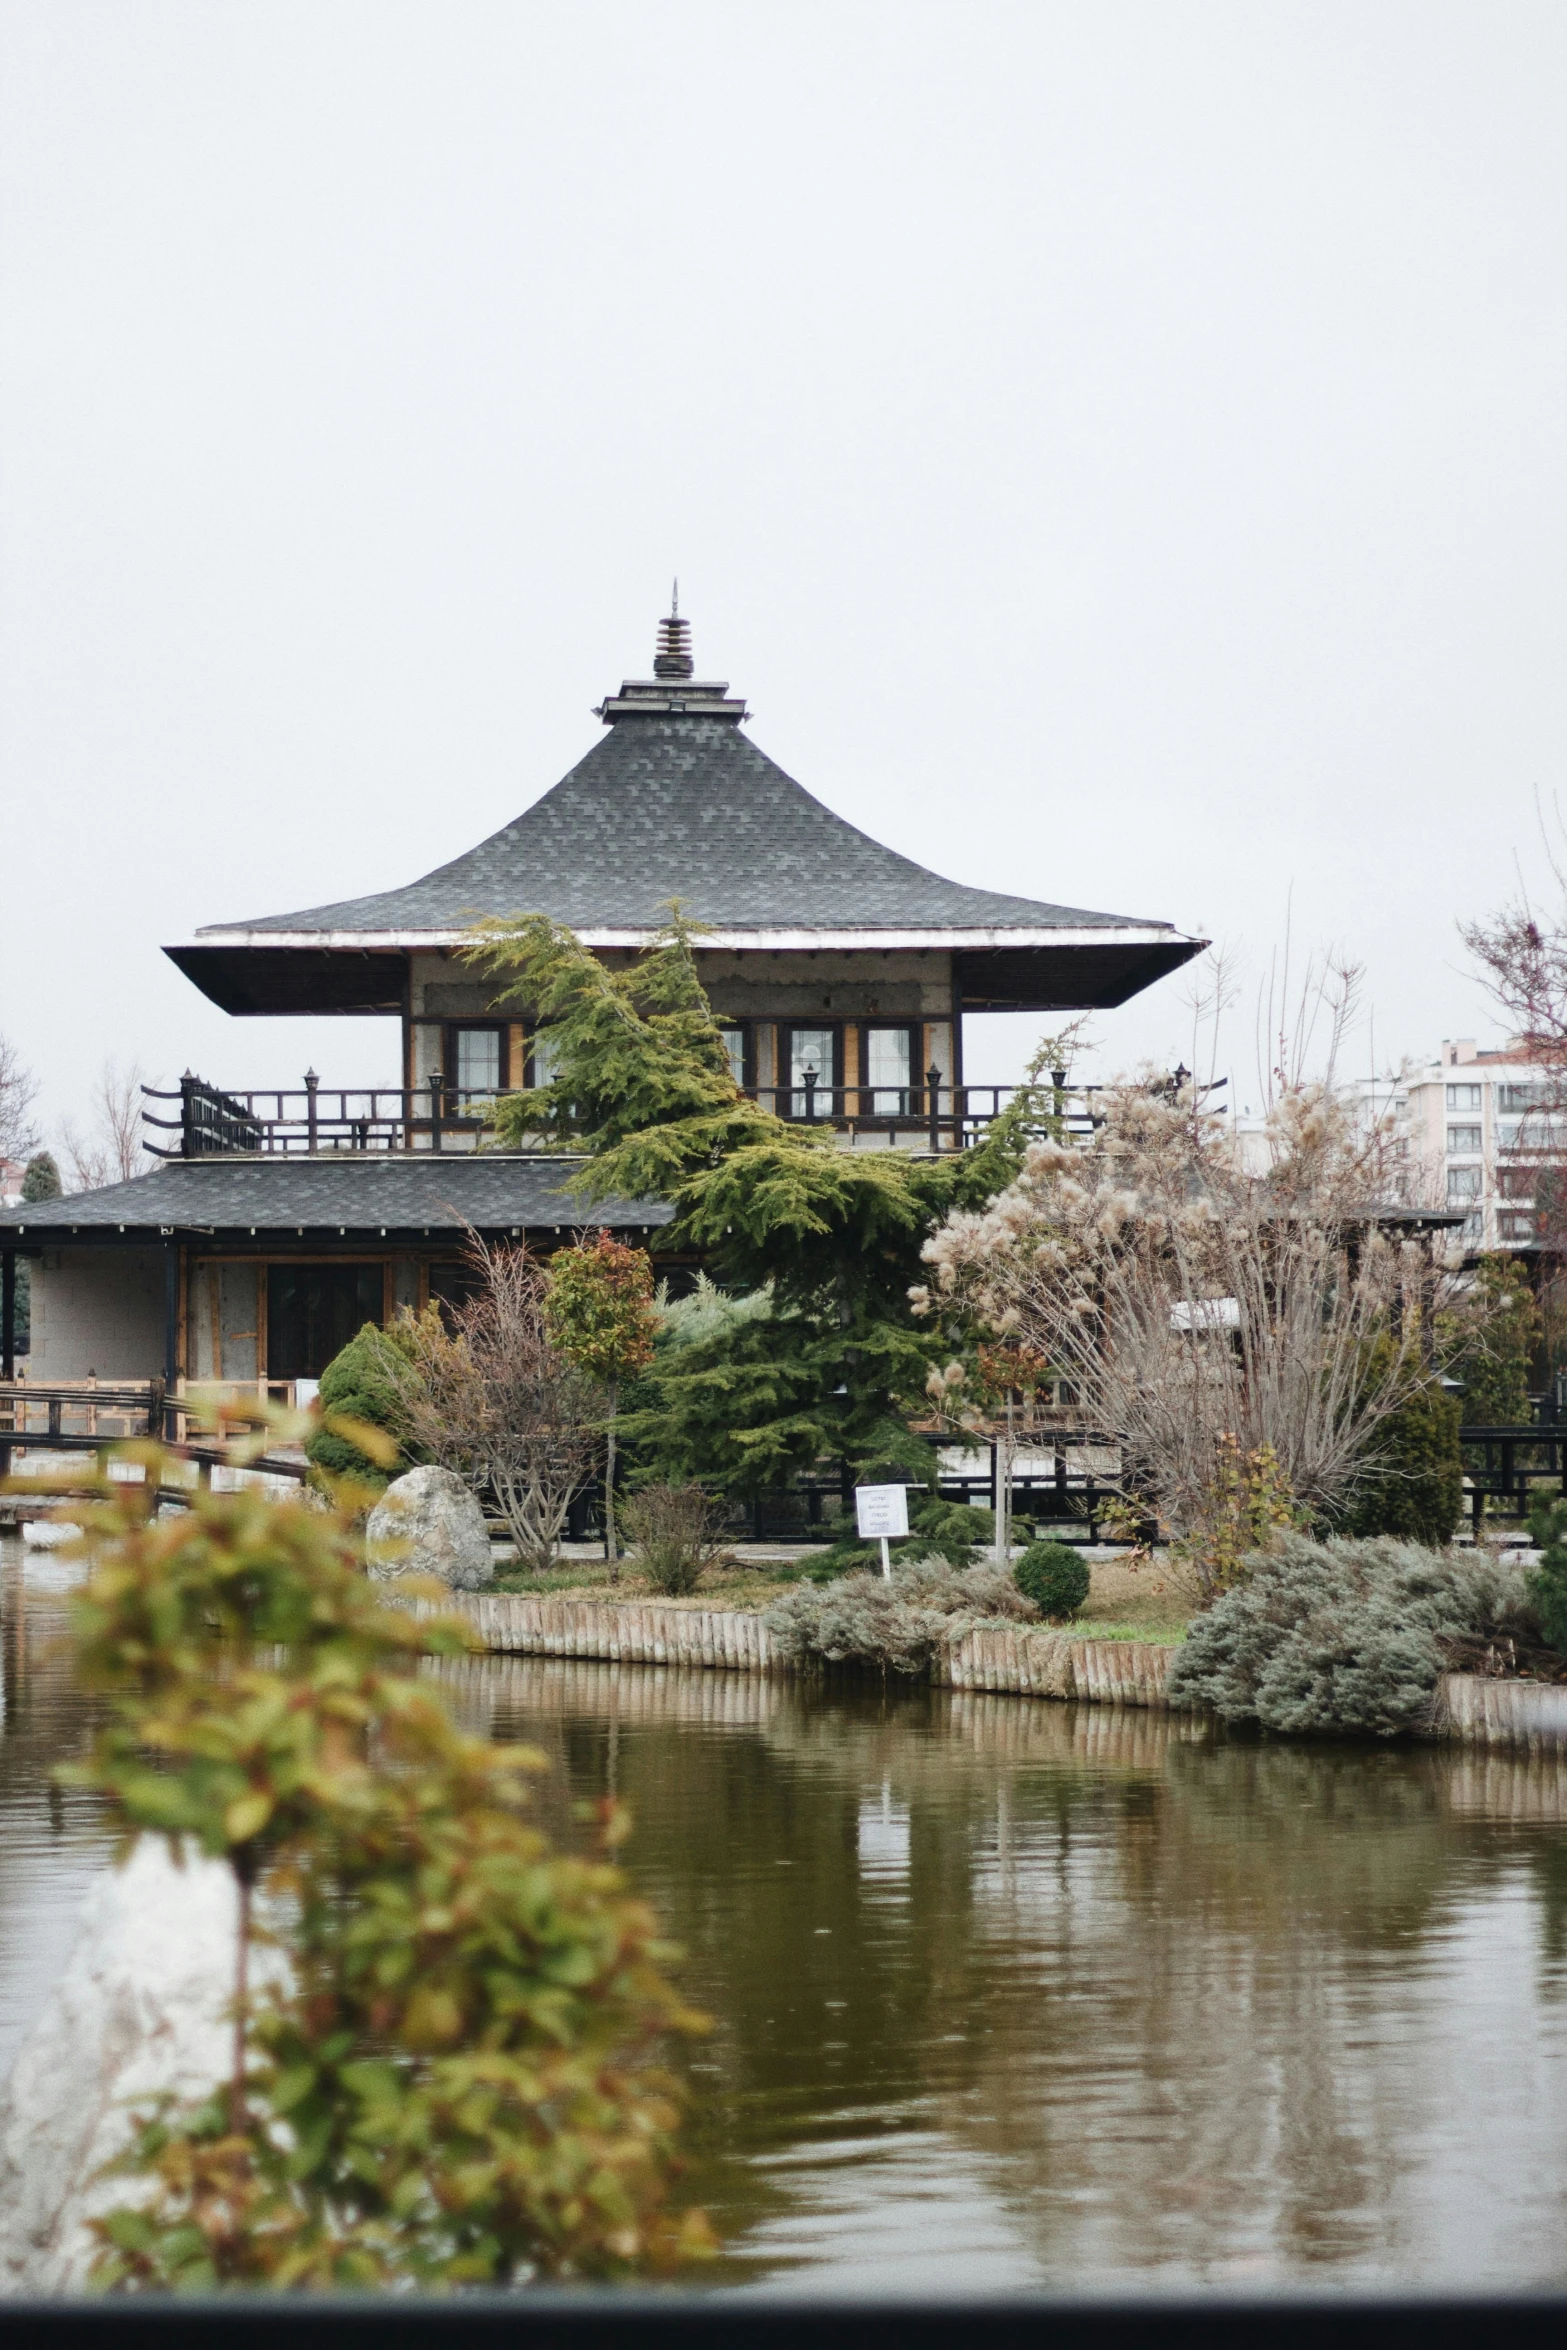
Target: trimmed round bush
{"type": "Point", "coordinates": [1054, 1576]}
{"type": "Point", "coordinates": [359, 1382]}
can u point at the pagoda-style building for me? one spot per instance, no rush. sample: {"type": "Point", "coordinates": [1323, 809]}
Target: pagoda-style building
{"type": "Point", "coordinates": [825, 953]}
{"type": "Point", "coordinates": [840, 971]}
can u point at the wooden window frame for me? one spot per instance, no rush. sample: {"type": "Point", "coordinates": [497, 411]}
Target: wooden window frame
{"type": "Point", "coordinates": [866, 1093]}
{"type": "Point", "coordinates": [786, 1088]}
{"type": "Point", "coordinates": [747, 1030]}
{"type": "Point", "coordinates": [452, 1029]}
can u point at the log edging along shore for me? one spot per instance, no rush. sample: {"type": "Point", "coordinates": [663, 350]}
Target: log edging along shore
{"type": "Point", "coordinates": [1002, 1660]}
{"type": "Point", "coordinates": [1483, 1712]}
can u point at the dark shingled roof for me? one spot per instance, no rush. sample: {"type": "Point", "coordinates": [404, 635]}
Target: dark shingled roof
{"type": "Point", "coordinates": [689, 808]}
{"type": "Point", "coordinates": [404, 1193]}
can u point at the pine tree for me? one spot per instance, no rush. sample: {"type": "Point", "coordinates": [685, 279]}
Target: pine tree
{"type": "Point", "coordinates": [644, 1089]}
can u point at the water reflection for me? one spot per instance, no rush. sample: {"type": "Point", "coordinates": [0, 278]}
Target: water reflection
{"type": "Point", "coordinates": [1014, 1994]}
{"type": "Point", "coordinates": [51, 1844]}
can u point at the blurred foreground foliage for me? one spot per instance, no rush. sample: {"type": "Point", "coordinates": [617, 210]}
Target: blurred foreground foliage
{"type": "Point", "coordinates": [452, 2077]}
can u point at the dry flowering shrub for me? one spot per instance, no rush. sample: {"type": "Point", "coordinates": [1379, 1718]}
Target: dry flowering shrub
{"type": "Point", "coordinates": [1200, 1312]}
{"type": "Point", "coordinates": [454, 2077]}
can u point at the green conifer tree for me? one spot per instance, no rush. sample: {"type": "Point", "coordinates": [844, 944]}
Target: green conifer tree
{"type": "Point", "coordinates": [643, 1087]}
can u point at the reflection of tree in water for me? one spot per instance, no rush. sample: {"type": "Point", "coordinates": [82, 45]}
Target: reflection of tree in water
{"type": "Point", "coordinates": [50, 1842]}
{"type": "Point", "coordinates": [1181, 1995]}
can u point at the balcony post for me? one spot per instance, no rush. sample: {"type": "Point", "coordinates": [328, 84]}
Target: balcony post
{"type": "Point", "coordinates": [312, 1122]}
{"type": "Point", "coordinates": [190, 1143]}
{"type": "Point", "coordinates": [810, 1096]}
{"type": "Point", "coordinates": [933, 1081]}
{"type": "Point", "coordinates": [171, 1338]}
{"type": "Point", "coordinates": [437, 1087]}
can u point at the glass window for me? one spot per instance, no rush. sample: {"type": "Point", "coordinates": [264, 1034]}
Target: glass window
{"type": "Point", "coordinates": [1463, 1097]}
{"type": "Point", "coordinates": [1517, 1182]}
{"type": "Point", "coordinates": [1463, 1140]}
{"type": "Point", "coordinates": [734, 1046]}
{"type": "Point", "coordinates": [1516, 1224]}
{"type": "Point", "coordinates": [478, 1060]}
{"type": "Point", "coordinates": [1474, 1226]}
{"type": "Point", "coordinates": [812, 1051]}
{"type": "Point", "coordinates": [543, 1056]}
{"type": "Point", "coordinates": [889, 1061]}
{"type": "Point", "coordinates": [1463, 1183]}
{"type": "Point", "coordinates": [1517, 1098]}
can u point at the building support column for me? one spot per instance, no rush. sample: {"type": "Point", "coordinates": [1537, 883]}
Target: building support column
{"type": "Point", "coordinates": [8, 1348]}
{"type": "Point", "coordinates": [171, 1338]}
{"type": "Point", "coordinates": [955, 1055]}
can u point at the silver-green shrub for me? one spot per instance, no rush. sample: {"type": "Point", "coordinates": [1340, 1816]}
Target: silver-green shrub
{"type": "Point", "coordinates": [1341, 1636]}
{"type": "Point", "coordinates": [894, 1626]}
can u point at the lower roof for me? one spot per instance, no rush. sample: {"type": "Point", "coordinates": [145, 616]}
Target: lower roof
{"type": "Point", "coordinates": [405, 1196]}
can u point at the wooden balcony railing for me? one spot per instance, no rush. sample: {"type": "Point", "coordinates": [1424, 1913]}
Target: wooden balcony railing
{"type": "Point", "coordinates": [310, 1120]}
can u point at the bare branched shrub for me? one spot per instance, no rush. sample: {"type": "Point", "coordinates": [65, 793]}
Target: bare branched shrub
{"type": "Point", "coordinates": [678, 1534]}
{"type": "Point", "coordinates": [18, 1094]}
{"type": "Point", "coordinates": [492, 1398]}
{"type": "Point", "coordinates": [1198, 1309]}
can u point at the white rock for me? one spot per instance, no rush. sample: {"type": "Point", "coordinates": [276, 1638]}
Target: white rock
{"type": "Point", "coordinates": [140, 2008]}
{"type": "Point", "coordinates": [428, 1522]}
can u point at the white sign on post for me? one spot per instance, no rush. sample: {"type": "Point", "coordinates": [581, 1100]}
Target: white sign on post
{"type": "Point", "coordinates": [882, 1514]}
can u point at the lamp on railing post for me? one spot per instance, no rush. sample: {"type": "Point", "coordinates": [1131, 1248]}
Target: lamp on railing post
{"type": "Point", "coordinates": [933, 1080]}
{"type": "Point", "coordinates": [437, 1085]}
{"type": "Point", "coordinates": [810, 1095]}
{"type": "Point", "coordinates": [312, 1123]}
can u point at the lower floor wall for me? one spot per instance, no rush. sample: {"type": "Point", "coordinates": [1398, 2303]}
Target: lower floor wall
{"type": "Point", "coordinates": [97, 1313]}
{"type": "Point", "coordinates": [102, 1312]}
{"type": "Point", "coordinates": [251, 1318]}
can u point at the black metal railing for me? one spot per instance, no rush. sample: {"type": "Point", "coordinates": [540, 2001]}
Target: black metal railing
{"type": "Point", "coordinates": [1511, 1466]}
{"type": "Point", "coordinates": [312, 1119]}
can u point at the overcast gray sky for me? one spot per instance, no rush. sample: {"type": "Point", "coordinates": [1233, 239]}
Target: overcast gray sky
{"type": "Point", "coordinates": [1117, 448]}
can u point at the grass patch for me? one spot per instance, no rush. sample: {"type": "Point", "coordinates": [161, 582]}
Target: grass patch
{"type": "Point", "coordinates": [1156, 1635]}
{"type": "Point", "coordinates": [738, 1590]}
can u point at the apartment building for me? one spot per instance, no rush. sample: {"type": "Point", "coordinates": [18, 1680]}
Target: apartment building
{"type": "Point", "coordinates": [1479, 1126]}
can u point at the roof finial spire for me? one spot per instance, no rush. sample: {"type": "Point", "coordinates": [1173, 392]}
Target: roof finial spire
{"type": "Point", "coordinates": [673, 657]}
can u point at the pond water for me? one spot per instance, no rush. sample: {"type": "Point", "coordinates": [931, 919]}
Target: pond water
{"type": "Point", "coordinates": [1012, 1995]}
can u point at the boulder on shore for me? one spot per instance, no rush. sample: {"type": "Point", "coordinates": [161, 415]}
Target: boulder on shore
{"type": "Point", "coordinates": [428, 1522]}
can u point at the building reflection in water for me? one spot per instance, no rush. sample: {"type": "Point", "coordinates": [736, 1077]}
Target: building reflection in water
{"type": "Point", "coordinates": [1012, 1993]}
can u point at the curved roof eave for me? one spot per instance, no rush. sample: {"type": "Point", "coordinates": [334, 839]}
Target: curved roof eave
{"type": "Point", "coordinates": [1106, 932]}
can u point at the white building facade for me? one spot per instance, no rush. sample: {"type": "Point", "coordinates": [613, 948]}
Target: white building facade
{"type": "Point", "coordinates": [1479, 1126]}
